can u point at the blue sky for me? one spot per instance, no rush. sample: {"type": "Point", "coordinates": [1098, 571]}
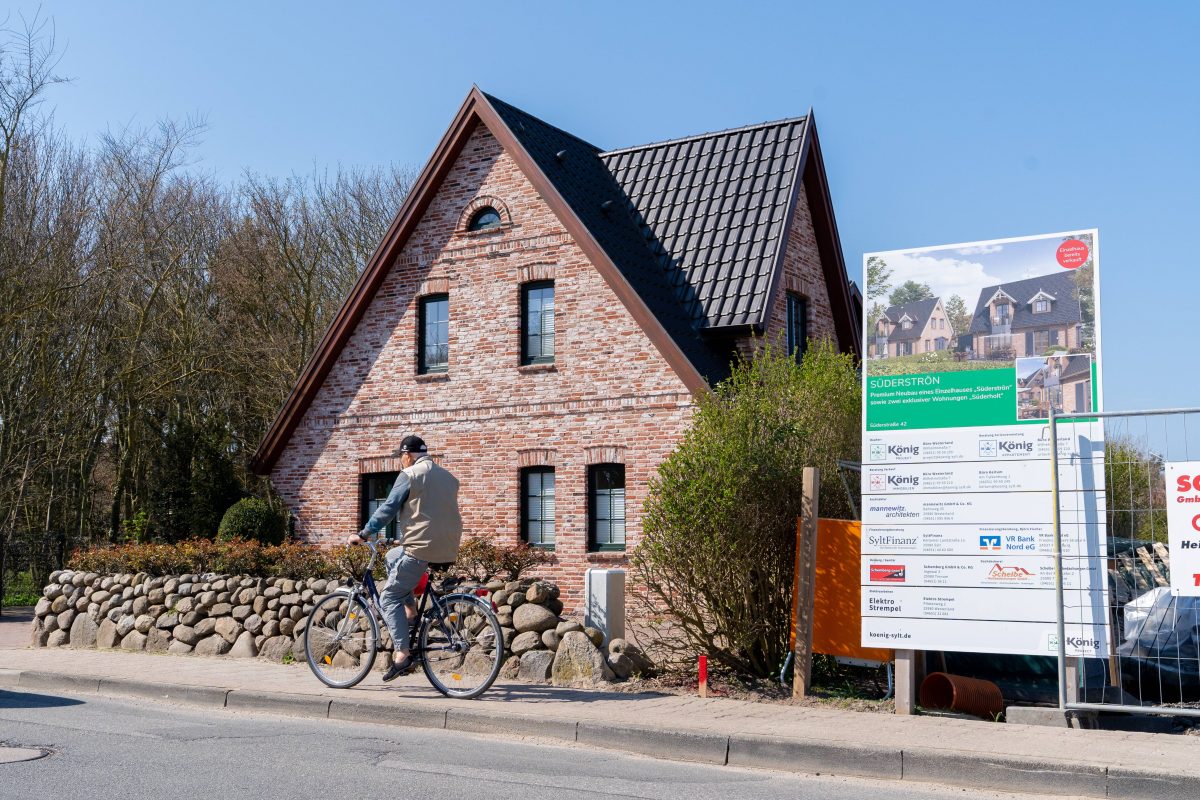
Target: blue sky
{"type": "Point", "coordinates": [940, 122]}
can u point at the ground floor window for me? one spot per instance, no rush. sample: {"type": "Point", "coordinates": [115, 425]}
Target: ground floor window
{"type": "Point", "coordinates": [606, 507]}
{"type": "Point", "coordinates": [374, 488]}
{"type": "Point", "coordinates": [537, 506]}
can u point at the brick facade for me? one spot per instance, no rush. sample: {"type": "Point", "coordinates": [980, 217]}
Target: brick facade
{"type": "Point", "coordinates": [609, 396]}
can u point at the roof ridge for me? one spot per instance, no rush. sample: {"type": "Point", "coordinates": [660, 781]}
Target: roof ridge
{"type": "Point", "coordinates": [493, 99]}
{"type": "Point", "coordinates": [693, 137]}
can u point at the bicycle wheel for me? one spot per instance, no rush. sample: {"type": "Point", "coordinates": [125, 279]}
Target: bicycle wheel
{"type": "Point", "coordinates": [341, 640]}
{"type": "Point", "coordinates": [462, 649]}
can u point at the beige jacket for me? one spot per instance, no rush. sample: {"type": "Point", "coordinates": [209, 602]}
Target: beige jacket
{"type": "Point", "coordinates": [424, 503]}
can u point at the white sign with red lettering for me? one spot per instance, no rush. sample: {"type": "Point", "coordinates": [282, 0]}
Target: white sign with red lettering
{"type": "Point", "coordinates": [1183, 526]}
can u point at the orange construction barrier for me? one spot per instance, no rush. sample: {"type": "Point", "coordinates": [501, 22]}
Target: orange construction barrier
{"type": "Point", "coordinates": [837, 624]}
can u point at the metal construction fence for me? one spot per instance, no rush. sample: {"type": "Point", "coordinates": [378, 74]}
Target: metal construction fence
{"type": "Point", "coordinates": [1127, 641]}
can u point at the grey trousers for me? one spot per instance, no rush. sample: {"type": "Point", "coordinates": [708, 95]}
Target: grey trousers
{"type": "Point", "coordinates": [404, 573]}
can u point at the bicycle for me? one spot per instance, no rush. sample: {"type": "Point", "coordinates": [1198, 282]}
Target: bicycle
{"type": "Point", "coordinates": [455, 636]}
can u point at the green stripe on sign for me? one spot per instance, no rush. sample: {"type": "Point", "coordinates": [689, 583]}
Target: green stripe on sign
{"type": "Point", "coordinates": [942, 400]}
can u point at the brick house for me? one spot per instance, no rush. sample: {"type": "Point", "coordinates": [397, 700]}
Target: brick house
{"type": "Point", "coordinates": [543, 312]}
{"type": "Point", "coordinates": [918, 327]}
{"type": "Point", "coordinates": [1063, 383]}
{"type": "Point", "coordinates": [1029, 317]}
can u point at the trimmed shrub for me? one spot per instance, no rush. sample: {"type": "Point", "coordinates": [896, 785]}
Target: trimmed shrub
{"type": "Point", "coordinates": [252, 519]}
{"type": "Point", "coordinates": [719, 531]}
{"type": "Point", "coordinates": [482, 560]}
{"type": "Point", "coordinates": [198, 556]}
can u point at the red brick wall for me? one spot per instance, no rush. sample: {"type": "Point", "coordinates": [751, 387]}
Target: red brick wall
{"type": "Point", "coordinates": [804, 276]}
{"type": "Point", "coordinates": [487, 416]}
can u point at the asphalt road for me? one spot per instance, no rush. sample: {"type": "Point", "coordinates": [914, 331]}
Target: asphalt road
{"type": "Point", "coordinates": [123, 748]}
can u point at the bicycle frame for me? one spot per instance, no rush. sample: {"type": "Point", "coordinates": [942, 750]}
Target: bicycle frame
{"type": "Point", "coordinates": [369, 590]}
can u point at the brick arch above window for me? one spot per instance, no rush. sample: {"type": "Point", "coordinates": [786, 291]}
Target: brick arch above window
{"type": "Point", "coordinates": [797, 285]}
{"type": "Point", "coordinates": [484, 201]}
{"type": "Point", "coordinates": [536, 272]}
{"type": "Point", "coordinates": [434, 286]}
{"type": "Point", "coordinates": [604, 454]}
{"type": "Point", "coordinates": [536, 457]}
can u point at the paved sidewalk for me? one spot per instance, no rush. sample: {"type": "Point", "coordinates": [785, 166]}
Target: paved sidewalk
{"type": "Point", "coordinates": [957, 752]}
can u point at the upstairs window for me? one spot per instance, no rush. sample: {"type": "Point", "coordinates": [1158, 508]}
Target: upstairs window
{"type": "Point", "coordinates": [1041, 306]}
{"type": "Point", "coordinates": [373, 490]}
{"type": "Point", "coordinates": [433, 334]}
{"type": "Point", "coordinates": [797, 325]}
{"type": "Point", "coordinates": [906, 325]}
{"type": "Point", "coordinates": [484, 219]}
{"type": "Point", "coordinates": [537, 323]}
{"type": "Point", "coordinates": [606, 507]}
{"type": "Point", "coordinates": [537, 506]}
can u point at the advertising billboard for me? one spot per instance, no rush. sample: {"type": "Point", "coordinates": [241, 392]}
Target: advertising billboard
{"type": "Point", "coordinates": [967, 349]}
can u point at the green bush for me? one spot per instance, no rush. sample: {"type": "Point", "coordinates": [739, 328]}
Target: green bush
{"type": "Point", "coordinates": [254, 520]}
{"type": "Point", "coordinates": [716, 561]}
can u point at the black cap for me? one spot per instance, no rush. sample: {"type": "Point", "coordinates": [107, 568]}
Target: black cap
{"type": "Point", "coordinates": [413, 444]}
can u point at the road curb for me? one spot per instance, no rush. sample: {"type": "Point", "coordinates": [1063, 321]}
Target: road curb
{"type": "Point", "coordinates": [812, 756]}
{"type": "Point", "coordinates": [1002, 773]}
{"type": "Point", "coordinates": [815, 756]}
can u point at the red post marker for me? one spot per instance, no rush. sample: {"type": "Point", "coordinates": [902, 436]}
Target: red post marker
{"type": "Point", "coordinates": [703, 670]}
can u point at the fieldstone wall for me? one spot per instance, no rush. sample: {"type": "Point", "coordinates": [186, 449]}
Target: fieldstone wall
{"type": "Point", "coordinates": [239, 616]}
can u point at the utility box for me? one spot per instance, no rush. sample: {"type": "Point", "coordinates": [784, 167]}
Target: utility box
{"type": "Point", "coordinates": [604, 602]}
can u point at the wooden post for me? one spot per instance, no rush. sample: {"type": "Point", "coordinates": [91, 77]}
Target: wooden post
{"type": "Point", "coordinates": [806, 575]}
{"type": "Point", "coordinates": [908, 665]}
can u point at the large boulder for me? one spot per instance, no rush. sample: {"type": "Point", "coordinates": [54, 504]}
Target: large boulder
{"type": "Point", "coordinates": [532, 617]}
{"type": "Point", "coordinates": [134, 640]}
{"type": "Point", "coordinates": [228, 628]}
{"type": "Point", "coordinates": [205, 627]}
{"type": "Point", "coordinates": [538, 593]}
{"type": "Point", "coordinates": [144, 623]}
{"type": "Point", "coordinates": [83, 631]}
{"type": "Point", "coordinates": [536, 665]}
{"type": "Point", "coordinates": [178, 648]}
{"type": "Point", "coordinates": [253, 623]}
{"type": "Point", "coordinates": [566, 626]}
{"type": "Point", "coordinates": [244, 647]}
{"type": "Point", "coordinates": [186, 634]}
{"type": "Point", "coordinates": [56, 638]}
{"type": "Point", "coordinates": [577, 662]}
{"type": "Point", "coordinates": [215, 645]}
{"type": "Point", "coordinates": [620, 664]}
{"type": "Point", "coordinates": [42, 608]}
{"type": "Point", "coordinates": [157, 641]}
{"type": "Point", "coordinates": [524, 642]}
{"type": "Point", "coordinates": [275, 648]}
{"type": "Point", "coordinates": [551, 639]}
{"type": "Point", "coordinates": [40, 635]}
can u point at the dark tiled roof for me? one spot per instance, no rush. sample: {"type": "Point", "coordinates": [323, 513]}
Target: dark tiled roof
{"type": "Point", "coordinates": [713, 210]}
{"type": "Point", "coordinates": [581, 177]}
{"type": "Point", "coordinates": [1077, 366]}
{"type": "Point", "coordinates": [919, 310]}
{"type": "Point", "coordinates": [1064, 310]}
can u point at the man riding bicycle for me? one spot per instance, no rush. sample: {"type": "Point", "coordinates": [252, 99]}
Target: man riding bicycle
{"type": "Point", "coordinates": [424, 503]}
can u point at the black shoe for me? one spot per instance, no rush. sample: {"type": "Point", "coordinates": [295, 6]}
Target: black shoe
{"type": "Point", "coordinates": [396, 670]}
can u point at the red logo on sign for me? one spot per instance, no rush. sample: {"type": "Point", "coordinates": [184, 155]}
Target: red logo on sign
{"type": "Point", "coordinates": [1196, 577]}
{"type": "Point", "coordinates": [1072, 254]}
{"type": "Point", "coordinates": [887, 573]}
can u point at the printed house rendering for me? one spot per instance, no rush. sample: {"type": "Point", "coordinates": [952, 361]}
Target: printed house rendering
{"type": "Point", "coordinates": [917, 327]}
{"type": "Point", "coordinates": [543, 312]}
{"type": "Point", "coordinates": [1063, 383]}
{"type": "Point", "coordinates": [1027, 318]}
